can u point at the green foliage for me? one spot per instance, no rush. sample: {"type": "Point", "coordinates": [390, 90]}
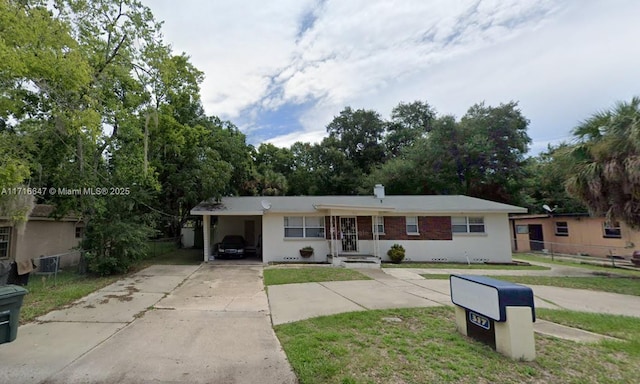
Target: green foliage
{"type": "Point", "coordinates": [409, 122]}
{"type": "Point", "coordinates": [605, 171]}
{"type": "Point", "coordinates": [481, 155]}
{"type": "Point", "coordinates": [396, 253]}
{"type": "Point", "coordinates": [545, 179]}
{"type": "Point", "coordinates": [114, 246]}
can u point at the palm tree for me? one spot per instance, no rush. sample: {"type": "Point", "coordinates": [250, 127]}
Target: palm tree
{"type": "Point", "coordinates": [606, 163]}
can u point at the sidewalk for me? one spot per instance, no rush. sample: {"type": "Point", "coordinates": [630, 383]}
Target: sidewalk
{"type": "Point", "coordinates": [178, 324]}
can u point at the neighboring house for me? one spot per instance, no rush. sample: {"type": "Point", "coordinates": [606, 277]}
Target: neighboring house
{"type": "Point", "coordinates": [573, 234]}
{"type": "Point", "coordinates": [42, 236]}
{"type": "Point", "coordinates": [431, 228]}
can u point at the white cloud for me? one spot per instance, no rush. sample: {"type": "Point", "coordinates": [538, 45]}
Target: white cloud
{"type": "Point", "coordinates": [562, 61]}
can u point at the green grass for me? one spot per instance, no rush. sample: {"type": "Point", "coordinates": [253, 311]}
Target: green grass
{"type": "Point", "coordinates": [175, 257]}
{"type": "Point", "coordinates": [616, 284]}
{"type": "Point", "coordinates": [159, 248]}
{"type": "Point", "coordinates": [277, 276]}
{"type": "Point", "coordinates": [465, 266]}
{"type": "Point", "coordinates": [606, 269]}
{"type": "Point", "coordinates": [361, 347]}
{"type": "Point", "coordinates": [46, 293]}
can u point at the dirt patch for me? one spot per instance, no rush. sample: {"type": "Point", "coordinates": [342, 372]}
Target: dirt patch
{"type": "Point", "coordinates": [615, 275]}
{"type": "Point", "coordinates": [126, 297]}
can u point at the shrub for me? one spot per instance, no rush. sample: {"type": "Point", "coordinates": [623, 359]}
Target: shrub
{"type": "Point", "coordinates": [396, 253]}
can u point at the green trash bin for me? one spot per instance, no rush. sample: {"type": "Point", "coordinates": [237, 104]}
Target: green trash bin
{"type": "Point", "coordinates": [10, 302]}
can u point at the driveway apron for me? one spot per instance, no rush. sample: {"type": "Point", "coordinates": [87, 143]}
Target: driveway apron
{"type": "Point", "coordinates": [166, 324]}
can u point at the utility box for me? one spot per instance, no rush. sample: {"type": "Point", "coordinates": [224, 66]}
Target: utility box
{"type": "Point", "coordinates": [11, 297]}
{"type": "Point", "coordinates": [498, 313]}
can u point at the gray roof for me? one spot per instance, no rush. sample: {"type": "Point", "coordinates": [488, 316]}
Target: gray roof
{"type": "Point", "coordinates": [428, 204]}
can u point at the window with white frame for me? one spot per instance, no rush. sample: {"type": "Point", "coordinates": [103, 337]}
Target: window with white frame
{"type": "Point", "coordinates": [5, 238]}
{"type": "Point", "coordinates": [304, 226]}
{"type": "Point", "coordinates": [379, 223]}
{"type": "Point", "coordinates": [562, 228]}
{"type": "Point", "coordinates": [412, 224]}
{"type": "Point", "coordinates": [612, 230]}
{"type": "Point", "coordinates": [467, 224]}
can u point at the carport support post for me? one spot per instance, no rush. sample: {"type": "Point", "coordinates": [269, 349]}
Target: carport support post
{"type": "Point", "coordinates": [206, 228]}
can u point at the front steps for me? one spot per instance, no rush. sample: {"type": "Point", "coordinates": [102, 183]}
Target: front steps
{"type": "Point", "coordinates": [355, 261]}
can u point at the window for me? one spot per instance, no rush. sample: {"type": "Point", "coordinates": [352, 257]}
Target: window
{"type": "Point", "coordinates": [79, 232]}
{"type": "Point", "coordinates": [304, 226]}
{"type": "Point", "coordinates": [522, 229]}
{"type": "Point", "coordinates": [412, 224]}
{"type": "Point", "coordinates": [380, 224]}
{"type": "Point", "coordinates": [5, 237]}
{"type": "Point", "coordinates": [562, 228]}
{"type": "Point", "coordinates": [612, 230]}
{"type": "Point", "coordinates": [466, 224]}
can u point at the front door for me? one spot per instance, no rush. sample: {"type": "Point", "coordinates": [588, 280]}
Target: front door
{"type": "Point", "coordinates": [536, 239]}
{"type": "Point", "coordinates": [250, 232]}
{"type": "Point", "coordinates": [349, 233]}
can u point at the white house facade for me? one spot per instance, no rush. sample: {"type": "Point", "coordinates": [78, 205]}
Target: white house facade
{"type": "Point", "coordinates": [430, 228]}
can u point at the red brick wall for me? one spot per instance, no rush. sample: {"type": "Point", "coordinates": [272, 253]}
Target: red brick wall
{"type": "Point", "coordinates": [430, 228]}
{"type": "Point", "coordinates": [365, 229]}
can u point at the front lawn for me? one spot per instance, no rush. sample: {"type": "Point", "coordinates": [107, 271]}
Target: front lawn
{"type": "Point", "coordinates": [465, 266]}
{"type": "Point", "coordinates": [277, 276]}
{"type": "Point", "coordinates": [421, 345]}
{"type": "Point", "coordinates": [605, 269]}
{"type": "Point", "coordinates": [627, 285]}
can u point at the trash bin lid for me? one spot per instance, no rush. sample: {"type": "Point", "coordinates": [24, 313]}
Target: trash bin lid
{"type": "Point", "coordinates": [11, 290]}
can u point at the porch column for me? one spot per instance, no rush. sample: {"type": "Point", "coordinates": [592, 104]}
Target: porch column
{"type": "Point", "coordinates": [206, 228]}
{"type": "Point", "coordinates": [334, 239]}
{"type": "Point", "coordinates": [376, 237]}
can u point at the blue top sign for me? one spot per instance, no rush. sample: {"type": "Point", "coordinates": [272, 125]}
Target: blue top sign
{"type": "Point", "coordinates": [489, 297]}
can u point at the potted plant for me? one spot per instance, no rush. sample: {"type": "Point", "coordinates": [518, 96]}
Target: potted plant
{"type": "Point", "coordinates": [396, 253]}
{"type": "Point", "coordinates": [306, 251]}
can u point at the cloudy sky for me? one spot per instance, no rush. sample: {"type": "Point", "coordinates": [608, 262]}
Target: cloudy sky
{"type": "Point", "coordinates": [282, 69]}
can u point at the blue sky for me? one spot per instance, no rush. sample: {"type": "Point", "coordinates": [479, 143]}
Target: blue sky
{"type": "Point", "coordinates": [282, 69]}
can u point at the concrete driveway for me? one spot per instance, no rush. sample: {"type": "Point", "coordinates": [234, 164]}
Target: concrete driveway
{"type": "Point", "coordinates": [165, 324]}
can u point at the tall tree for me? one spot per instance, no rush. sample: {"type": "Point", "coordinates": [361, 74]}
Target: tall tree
{"type": "Point", "coordinates": [606, 163]}
{"type": "Point", "coordinates": [545, 177]}
{"type": "Point", "coordinates": [481, 155]}
{"type": "Point", "coordinates": [359, 135]}
{"type": "Point", "coordinates": [409, 122]}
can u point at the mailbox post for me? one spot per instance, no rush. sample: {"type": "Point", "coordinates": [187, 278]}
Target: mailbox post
{"type": "Point", "coordinates": [498, 313]}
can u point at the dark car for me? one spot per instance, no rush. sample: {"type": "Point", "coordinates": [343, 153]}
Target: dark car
{"type": "Point", "coordinates": [232, 246]}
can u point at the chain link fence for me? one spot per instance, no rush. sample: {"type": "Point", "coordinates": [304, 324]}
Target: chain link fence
{"type": "Point", "coordinates": [614, 256]}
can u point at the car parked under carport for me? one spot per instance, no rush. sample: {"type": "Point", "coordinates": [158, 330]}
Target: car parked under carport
{"type": "Point", "coordinates": [232, 246]}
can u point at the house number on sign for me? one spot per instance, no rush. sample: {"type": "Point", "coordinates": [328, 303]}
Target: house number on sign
{"type": "Point", "coordinates": [478, 320]}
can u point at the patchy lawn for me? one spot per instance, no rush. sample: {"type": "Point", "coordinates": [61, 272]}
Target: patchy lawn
{"type": "Point", "coordinates": [627, 285]}
{"type": "Point", "coordinates": [175, 257]}
{"type": "Point", "coordinates": [277, 276]}
{"type": "Point", "coordinates": [424, 347]}
{"type": "Point", "coordinates": [46, 293]}
{"type": "Point", "coordinates": [605, 269]}
{"type": "Point", "coordinates": [465, 266]}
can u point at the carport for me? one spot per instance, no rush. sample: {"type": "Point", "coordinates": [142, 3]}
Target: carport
{"type": "Point", "coordinates": [219, 221]}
